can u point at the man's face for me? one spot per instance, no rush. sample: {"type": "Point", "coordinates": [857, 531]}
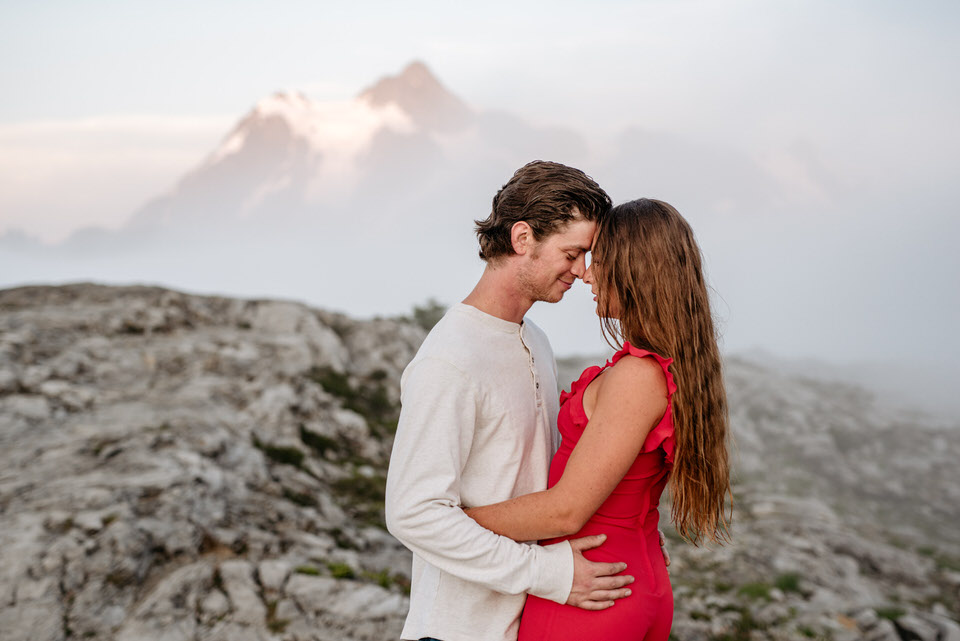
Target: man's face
{"type": "Point", "coordinates": [555, 262]}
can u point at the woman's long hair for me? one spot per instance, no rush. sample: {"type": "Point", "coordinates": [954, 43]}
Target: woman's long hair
{"type": "Point", "coordinates": [647, 263]}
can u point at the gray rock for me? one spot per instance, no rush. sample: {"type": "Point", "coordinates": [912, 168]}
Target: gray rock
{"type": "Point", "coordinates": [8, 381]}
{"type": "Point", "coordinates": [247, 607]}
{"type": "Point", "coordinates": [912, 628]}
{"type": "Point", "coordinates": [72, 396]}
{"type": "Point", "coordinates": [273, 574]}
{"type": "Point", "coordinates": [214, 606]}
{"type": "Point", "coordinates": [32, 621]}
{"type": "Point", "coordinates": [233, 631]}
{"type": "Point", "coordinates": [34, 408]}
{"type": "Point", "coordinates": [947, 628]}
{"type": "Point", "coordinates": [89, 522]}
{"type": "Point", "coordinates": [34, 375]}
{"type": "Point", "coordinates": [167, 612]}
{"type": "Point", "coordinates": [866, 618]}
{"type": "Point", "coordinates": [129, 471]}
{"type": "Point", "coordinates": [311, 593]}
{"type": "Point", "coordinates": [367, 601]}
{"type": "Point", "coordinates": [286, 610]}
{"type": "Point", "coordinates": [884, 630]}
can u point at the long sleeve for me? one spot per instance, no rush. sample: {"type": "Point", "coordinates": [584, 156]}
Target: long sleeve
{"type": "Point", "coordinates": [441, 406]}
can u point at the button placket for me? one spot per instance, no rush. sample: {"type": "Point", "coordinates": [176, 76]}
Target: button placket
{"type": "Point", "coordinates": [531, 365]}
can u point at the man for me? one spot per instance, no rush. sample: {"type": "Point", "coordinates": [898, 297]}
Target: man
{"type": "Point", "coordinates": [478, 423]}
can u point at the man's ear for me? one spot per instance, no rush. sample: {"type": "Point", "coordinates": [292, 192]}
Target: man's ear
{"type": "Point", "coordinates": [521, 237]}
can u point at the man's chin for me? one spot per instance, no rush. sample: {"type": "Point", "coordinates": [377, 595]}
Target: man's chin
{"type": "Point", "coordinates": [553, 298]}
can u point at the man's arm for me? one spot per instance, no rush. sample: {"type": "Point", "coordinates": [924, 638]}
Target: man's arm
{"type": "Point", "coordinates": [434, 438]}
{"type": "Point", "coordinates": [433, 441]}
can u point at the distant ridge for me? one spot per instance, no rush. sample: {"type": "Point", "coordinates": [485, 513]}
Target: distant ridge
{"type": "Point", "coordinates": [418, 92]}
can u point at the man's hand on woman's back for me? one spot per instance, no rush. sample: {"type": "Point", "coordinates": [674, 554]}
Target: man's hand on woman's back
{"type": "Point", "coordinates": [596, 585]}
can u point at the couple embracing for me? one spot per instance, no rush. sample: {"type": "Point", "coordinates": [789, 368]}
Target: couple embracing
{"type": "Point", "coordinates": [515, 501]}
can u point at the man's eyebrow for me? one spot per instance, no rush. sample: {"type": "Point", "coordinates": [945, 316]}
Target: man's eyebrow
{"type": "Point", "coordinates": [577, 247]}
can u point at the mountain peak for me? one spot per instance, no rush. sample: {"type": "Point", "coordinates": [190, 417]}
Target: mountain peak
{"type": "Point", "coordinates": [417, 73]}
{"type": "Point", "coordinates": [418, 92]}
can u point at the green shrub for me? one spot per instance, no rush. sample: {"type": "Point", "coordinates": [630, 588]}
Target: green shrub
{"type": "Point", "coordinates": [945, 562]}
{"type": "Point", "coordinates": [369, 399]}
{"type": "Point", "coordinates": [307, 569]}
{"type": "Point", "coordinates": [279, 453]}
{"type": "Point", "coordinates": [342, 540]}
{"type": "Point", "coordinates": [892, 613]}
{"type": "Point", "coordinates": [381, 578]}
{"type": "Point", "coordinates": [332, 381]}
{"type": "Point", "coordinates": [428, 314]}
{"type": "Point", "coordinates": [300, 498]}
{"type": "Point", "coordinates": [755, 590]}
{"type": "Point", "coordinates": [274, 624]}
{"type": "Point", "coordinates": [341, 570]}
{"type": "Point", "coordinates": [318, 442]}
{"type": "Point", "coordinates": [788, 582]}
{"type": "Point", "coordinates": [742, 628]}
{"type": "Point", "coordinates": [363, 497]}
{"type": "Point", "coordinates": [363, 488]}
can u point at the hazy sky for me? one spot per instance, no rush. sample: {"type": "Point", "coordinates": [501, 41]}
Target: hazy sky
{"type": "Point", "coordinates": [850, 107]}
{"type": "Point", "coordinates": [111, 101]}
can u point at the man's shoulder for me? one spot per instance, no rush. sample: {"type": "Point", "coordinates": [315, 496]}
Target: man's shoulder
{"type": "Point", "coordinates": [450, 342]}
{"type": "Point", "coordinates": [534, 329]}
{"type": "Point", "coordinates": [456, 336]}
{"type": "Point", "coordinates": [537, 336]}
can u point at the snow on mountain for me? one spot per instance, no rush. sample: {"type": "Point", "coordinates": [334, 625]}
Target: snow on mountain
{"type": "Point", "coordinates": [335, 133]}
{"type": "Point", "coordinates": [287, 152]}
{"type": "Point", "coordinates": [417, 91]}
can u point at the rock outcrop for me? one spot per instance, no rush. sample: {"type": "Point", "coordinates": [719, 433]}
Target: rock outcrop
{"type": "Point", "coordinates": [186, 467]}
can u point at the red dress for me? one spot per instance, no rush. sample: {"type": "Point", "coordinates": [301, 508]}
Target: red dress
{"type": "Point", "coordinates": [629, 518]}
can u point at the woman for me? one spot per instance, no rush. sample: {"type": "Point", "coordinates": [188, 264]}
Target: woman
{"type": "Point", "coordinates": [656, 412]}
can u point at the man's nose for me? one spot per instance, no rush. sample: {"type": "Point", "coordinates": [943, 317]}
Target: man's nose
{"type": "Point", "coordinates": [588, 275]}
{"type": "Point", "coordinates": [579, 266]}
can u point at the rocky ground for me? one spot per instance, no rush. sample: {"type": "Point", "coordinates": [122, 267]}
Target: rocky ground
{"type": "Point", "coordinates": [178, 467]}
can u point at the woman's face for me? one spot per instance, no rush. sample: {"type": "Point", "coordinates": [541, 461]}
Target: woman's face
{"type": "Point", "coordinates": [609, 294]}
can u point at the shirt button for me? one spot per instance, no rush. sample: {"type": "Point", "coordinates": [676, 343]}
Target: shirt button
{"type": "Point", "coordinates": [538, 385]}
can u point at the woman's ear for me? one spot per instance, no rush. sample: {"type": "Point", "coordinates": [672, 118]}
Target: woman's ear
{"type": "Point", "coordinates": [521, 237]}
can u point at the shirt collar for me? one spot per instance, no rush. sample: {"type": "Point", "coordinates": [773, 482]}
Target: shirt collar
{"type": "Point", "coordinates": [489, 320]}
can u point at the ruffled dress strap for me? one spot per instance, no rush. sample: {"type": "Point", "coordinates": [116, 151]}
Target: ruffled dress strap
{"type": "Point", "coordinates": [662, 435]}
{"type": "Point", "coordinates": [577, 386]}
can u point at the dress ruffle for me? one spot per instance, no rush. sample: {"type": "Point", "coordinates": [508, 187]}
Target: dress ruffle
{"type": "Point", "coordinates": [662, 435]}
{"type": "Point", "coordinates": [581, 383]}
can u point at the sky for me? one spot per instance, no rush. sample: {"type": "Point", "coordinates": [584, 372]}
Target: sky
{"type": "Point", "coordinates": [113, 100]}
{"type": "Point", "coordinates": [851, 107]}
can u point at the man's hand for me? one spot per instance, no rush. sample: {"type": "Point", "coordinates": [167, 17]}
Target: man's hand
{"type": "Point", "coordinates": [663, 548]}
{"type": "Point", "coordinates": [594, 585]}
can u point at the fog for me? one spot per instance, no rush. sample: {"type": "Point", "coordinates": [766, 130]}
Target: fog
{"type": "Point", "coordinates": [811, 147]}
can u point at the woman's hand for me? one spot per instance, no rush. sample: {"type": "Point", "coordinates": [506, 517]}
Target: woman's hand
{"type": "Point", "coordinates": [663, 548]}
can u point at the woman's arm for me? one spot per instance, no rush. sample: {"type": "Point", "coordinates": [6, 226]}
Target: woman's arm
{"type": "Point", "coordinates": [631, 400]}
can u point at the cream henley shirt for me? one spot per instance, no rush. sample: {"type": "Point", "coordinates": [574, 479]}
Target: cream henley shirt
{"type": "Point", "coordinates": [478, 426]}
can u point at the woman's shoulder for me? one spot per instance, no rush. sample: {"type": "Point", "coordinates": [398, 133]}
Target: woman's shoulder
{"type": "Point", "coordinates": [638, 375]}
{"type": "Point", "coordinates": [643, 367]}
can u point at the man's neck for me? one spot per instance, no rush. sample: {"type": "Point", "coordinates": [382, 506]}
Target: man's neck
{"type": "Point", "coordinates": [497, 293]}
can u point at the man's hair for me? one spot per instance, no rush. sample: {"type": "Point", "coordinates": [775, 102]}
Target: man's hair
{"type": "Point", "coordinates": [547, 196]}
